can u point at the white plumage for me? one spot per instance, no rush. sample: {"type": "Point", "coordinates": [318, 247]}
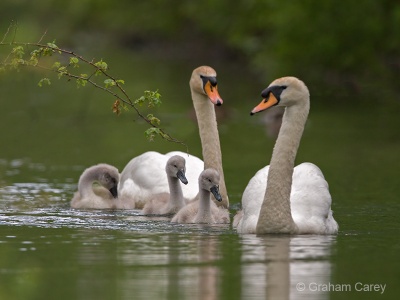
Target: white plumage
{"type": "Point", "coordinates": [310, 201]}
{"type": "Point", "coordinates": [144, 176]}
{"type": "Point", "coordinates": [281, 198]}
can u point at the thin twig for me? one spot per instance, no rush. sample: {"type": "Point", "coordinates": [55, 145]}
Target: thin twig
{"type": "Point", "coordinates": [15, 32]}
{"type": "Point", "coordinates": [41, 38]}
{"type": "Point", "coordinates": [127, 101]}
{"type": "Point", "coordinates": [5, 35]}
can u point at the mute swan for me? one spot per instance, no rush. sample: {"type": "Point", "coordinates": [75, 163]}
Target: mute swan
{"type": "Point", "coordinates": [97, 188]}
{"type": "Point", "coordinates": [145, 176]}
{"type": "Point", "coordinates": [203, 210]}
{"type": "Point", "coordinates": [203, 86]}
{"type": "Point", "coordinates": [296, 200]}
{"type": "Point", "coordinates": [163, 204]}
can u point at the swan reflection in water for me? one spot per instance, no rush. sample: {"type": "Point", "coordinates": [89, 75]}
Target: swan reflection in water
{"type": "Point", "coordinates": [209, 266]}
{"type": "Point", "coordinates": [282, 267]}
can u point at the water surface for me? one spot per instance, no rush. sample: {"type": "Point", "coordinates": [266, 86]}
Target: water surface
{"type": "Point", "coordinates": [47, 250]}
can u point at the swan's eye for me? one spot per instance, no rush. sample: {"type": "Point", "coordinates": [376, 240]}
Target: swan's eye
{"type": "Point", "coordinates": [211, 79]}
{"type": "Point", "coordinates": [275, 89]}
{"type": "Point", "coordinates": [107, 177]}
{"type": "Point", "coordinates": [175, 166]}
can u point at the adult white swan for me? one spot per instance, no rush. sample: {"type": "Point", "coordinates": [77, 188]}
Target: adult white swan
{"type": "Point", "coordinates": [145, 175]}
{"type": "Point", "coordinates": [295, 200]}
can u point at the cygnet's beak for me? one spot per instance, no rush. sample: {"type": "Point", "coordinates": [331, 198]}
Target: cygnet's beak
{"type": "Point", "coordinates": [114, 191]}
{"type": "Point", "coordinates": [215, 191]}
{"type": "Point", "coordinates": [181, 176]}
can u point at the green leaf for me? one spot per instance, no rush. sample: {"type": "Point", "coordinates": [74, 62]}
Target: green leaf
{"type": "Point", "coordinates": [82, 81]}
{"type": "Point", "coordinates": [102, 67]}
{"type": "Point", "coordinates": [56, 65]}
{"type": "Point", "coordinates": [53, 47]}
{"type": "Point", "coordinates": [18, 51]}
{"type": "Point", "coordinates": [153, 120]}
{"type": "Point", "coordinates": [140, 101]}
{"type": "Point", "coordinates": [124, 106]}
{"type": "Point", "coordinates": [153, 98]}
{"type": "Point", "coordinates": [33, 61]}
{"type": "Point", "coordinates": [36, 53]}
{"type": "Point", "coordinates": [151, 133]}
{"type": "Point", "coordinates": [44, 81]}
{"type": "Point", "coordinates": [61, 71]}
{"type": "Point", "coordinates": [16, 63]}
{"type": "Point", "coordinates": [109, 83]}
{"type": "Point", "coordinates": [73, 61]}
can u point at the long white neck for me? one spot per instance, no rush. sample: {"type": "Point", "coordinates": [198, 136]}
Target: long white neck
{"type": "Point", "coordinates": [208, 131]}
{"type": "Point", "coordinates": [176, 200]}
{"type": "Point", "coordinates": [204, 213]}
{"type": "Point", "coordinates": [85, 185]}
{"type": "Point", "coordinates": [275, 214]}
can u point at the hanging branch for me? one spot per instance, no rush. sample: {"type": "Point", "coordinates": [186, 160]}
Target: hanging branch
{"type": "Point", "coordinates": [17, 58]}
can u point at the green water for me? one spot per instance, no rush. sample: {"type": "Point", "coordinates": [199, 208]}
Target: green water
{"type": "Point", "coordinates": [49, 251]}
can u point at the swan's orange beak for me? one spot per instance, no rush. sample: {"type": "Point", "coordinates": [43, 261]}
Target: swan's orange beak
{"type": "Point", "coordinates": [265, 104]}
{"type": "Point", "coordinates": [212, 93]}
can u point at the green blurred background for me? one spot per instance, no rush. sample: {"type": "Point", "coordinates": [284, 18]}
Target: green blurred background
{"type": "Point", "coordinates": [347, 53]}
{"type": "Point", "coordinates": [354, 46]}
